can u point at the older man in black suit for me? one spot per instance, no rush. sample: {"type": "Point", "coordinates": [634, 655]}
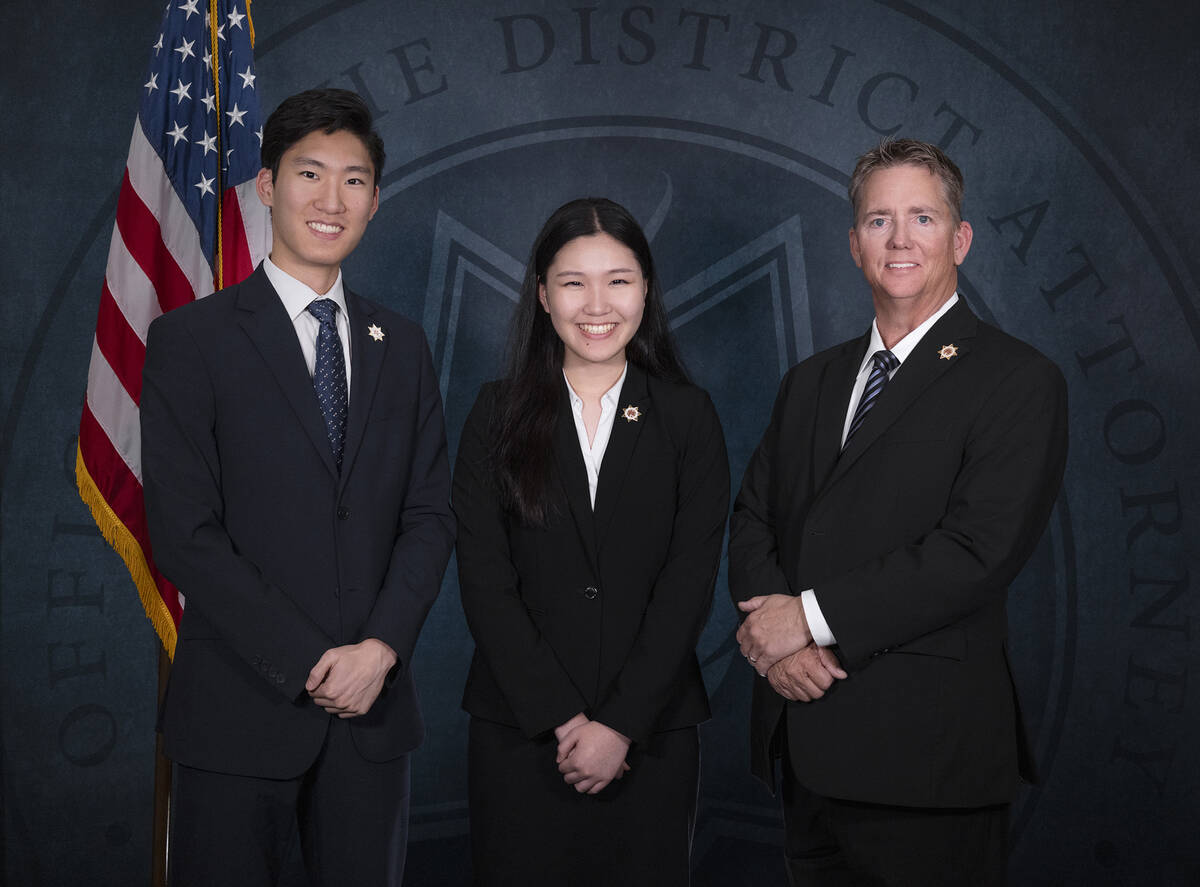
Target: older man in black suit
{"type": "Point", "coordinates": [297, 491]}
{"type": "Point", "coordinates": [904, 479]}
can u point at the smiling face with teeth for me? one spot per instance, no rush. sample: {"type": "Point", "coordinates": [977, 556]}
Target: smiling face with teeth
{"type": "Point", "coordinates": [907, 242]}
{"type": "Point", "coordinates": [594, 291]}
{"type": "Point", "coordinates": [321, 200]}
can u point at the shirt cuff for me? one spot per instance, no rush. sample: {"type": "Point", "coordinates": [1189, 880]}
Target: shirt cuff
{"type": "Point", "coordinates": [821, 633]}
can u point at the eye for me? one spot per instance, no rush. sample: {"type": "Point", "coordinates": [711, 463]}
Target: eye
{"type": "Point", "coordinates": [924, 220]}
{"type": "Point", "coordinates": [308, 174]}
{"type": "Point", "coordinates": [618, 281]}
{"type": "Point", "coordinates": [355, 181]}
{"type": "Point", "coordinates": [877, 223]}
{"type": "Point", "coordinates": [572, 283]}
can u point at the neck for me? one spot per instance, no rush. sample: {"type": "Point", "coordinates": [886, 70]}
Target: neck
{"type": "Point", "coordinates": [896, 320]}
{"type": "Point", "coordinates": [319, 280]}
{"type": "Point", "coordinates": [591, 380]}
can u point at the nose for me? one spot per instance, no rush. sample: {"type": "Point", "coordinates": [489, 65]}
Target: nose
{"type": "Point", "coordinates": [597, 301]}
{"type": "Point", "coordinates": [900, 235]}
{"type": "Point", "coordinates": [329, 197]}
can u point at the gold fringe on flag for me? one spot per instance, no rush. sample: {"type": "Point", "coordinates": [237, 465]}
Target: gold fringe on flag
{"type": "Point", "coordinates": [124, 544]}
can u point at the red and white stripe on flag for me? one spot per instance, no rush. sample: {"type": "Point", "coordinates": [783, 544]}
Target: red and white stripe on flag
{"type": "Point", "coordinates": [186, 206]}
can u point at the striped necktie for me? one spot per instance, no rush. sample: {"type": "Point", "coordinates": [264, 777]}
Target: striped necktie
{"type": "Point", "coordinates": [329, 376]}
{"type": "Point", "coordinates": [883, 363]}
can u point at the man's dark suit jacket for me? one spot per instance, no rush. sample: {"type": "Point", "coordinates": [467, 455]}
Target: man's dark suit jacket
{"type": "Point", "coordinates": [599, 612]}
{"type": "Point", "coordinates": [278, 556]}
{"type": "Point", "coordinates": [910, 538]}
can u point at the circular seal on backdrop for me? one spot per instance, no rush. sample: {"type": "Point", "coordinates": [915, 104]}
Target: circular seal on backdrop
{"type": "Point", "coordinates": [730, 136]}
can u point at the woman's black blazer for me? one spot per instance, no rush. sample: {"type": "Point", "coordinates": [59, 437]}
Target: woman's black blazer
{"type": "Point", "coordinates": [599, 611]}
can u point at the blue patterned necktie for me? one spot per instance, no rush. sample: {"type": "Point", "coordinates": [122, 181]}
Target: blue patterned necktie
{"type": "Point", "coordinates": [329, 377]}
{"type": "Point", "coordinates": [883, 363]}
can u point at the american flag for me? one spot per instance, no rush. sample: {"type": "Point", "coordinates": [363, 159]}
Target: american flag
{"type": "Point", "coordinates": [185, 226]}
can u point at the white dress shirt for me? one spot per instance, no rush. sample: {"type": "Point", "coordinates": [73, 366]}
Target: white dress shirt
{"type": "Point", "coordinates": [822, 635]}
{"type": "Point", "coordinates": [593, 453]}
{"type": "Point", "coordinates": [296, 298]}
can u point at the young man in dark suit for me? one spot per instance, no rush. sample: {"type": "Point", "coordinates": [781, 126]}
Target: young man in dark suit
{"type": "Point", "coordinates": [904, 479]}
{"type": "Point", "coordinates": [297, 490]}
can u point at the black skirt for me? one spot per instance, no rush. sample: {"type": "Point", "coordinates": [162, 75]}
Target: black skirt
{"type": "Point", "coordinates": [528, 827]}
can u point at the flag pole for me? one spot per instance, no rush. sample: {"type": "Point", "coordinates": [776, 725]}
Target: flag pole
{"type": "Point", "coordinates": [218, 256]}
{"type": "Point", "coordinates": [162, 787]}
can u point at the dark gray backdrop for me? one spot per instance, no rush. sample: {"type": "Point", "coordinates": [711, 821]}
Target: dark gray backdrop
{"type": "Point", "coordinates": [1076, 126]}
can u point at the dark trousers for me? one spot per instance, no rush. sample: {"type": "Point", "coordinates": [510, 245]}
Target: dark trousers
{"type": "Point", "coordinates": [349, 815]}
{"type": "Point", "coordinates": [530, 828]}
{"type": "Point", "coordinates": [834, 843]}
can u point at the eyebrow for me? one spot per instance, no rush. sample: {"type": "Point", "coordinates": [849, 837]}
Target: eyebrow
{"type": "Point", "coordinates": [569, 273]}
{"type": "Point", "coordinates": [312, 161]}
{"type": "Point", "coordinates": [912, 210]}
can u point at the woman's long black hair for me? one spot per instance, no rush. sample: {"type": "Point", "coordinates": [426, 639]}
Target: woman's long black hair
{"type": "Point", "coordinates": [529, 400]}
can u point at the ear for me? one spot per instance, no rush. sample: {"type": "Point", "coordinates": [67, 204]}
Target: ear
{"type": "Point", "coordinates": [374, 204]}
{"type": "Point", "coordinates": [265, 186]}
{"type": "Point", "coordinates": [962, 241]}
{"type": "Point", "coordinates": [542, 297]}
{"type": "Point", "coordinates": [855, 252]}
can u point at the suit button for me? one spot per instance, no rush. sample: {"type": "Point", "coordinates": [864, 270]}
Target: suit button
{"type": "Point", "coordinates": [343, 513]}
{"type": "Point", "coordinates": [590, 592]}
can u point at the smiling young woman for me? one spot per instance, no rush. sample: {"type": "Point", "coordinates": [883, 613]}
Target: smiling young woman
{"type": "Point", "coordinates": [591, 490]}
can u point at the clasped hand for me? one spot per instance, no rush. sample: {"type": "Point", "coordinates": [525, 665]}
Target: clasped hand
{"type": "Point", "coordinates": [805, 675]}
{"type": "Point", "coordinates": [775, 627]}
{"type": "Point", "coordinates": [776, 641]}
{"type": "Point", "coordinates": [590, 754]}
{"type": "Point", "coordinates": [347, 680]}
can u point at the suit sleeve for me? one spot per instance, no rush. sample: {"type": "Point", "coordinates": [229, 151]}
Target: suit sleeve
{"type": "Point", "coordinates": [535, 685]}
{"type": "Point", "coordinates": [682, 596]}
{"type": "Point", "coordinates": [754, 567]}
{"type": "Point", "coordinates": [1011, 469]}
{"type": "Point", "coordinates": [181, 476]}
{"type": "Point", "coordinates": [425, 533]}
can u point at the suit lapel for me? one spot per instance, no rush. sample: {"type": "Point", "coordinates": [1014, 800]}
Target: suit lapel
{"type": "Point", "coordinates": [620, 449]}
{"type": "Point", "coordinates": [264, 319]}
{"type": "Point", "coordinates": [922, 367]}
{"type": "Point", "coordinates": [831, 408]}
{"type": "Point", "coordinates": [366, 358]}
{"type": "Point", "coordinates": [573, 473]}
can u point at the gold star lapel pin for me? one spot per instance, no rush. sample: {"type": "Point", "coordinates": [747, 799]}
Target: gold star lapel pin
{"type": "Point", "coordinates": [947, 351]}
{"type": "Point", "coordinates": [375, 332]}
{"type": "Point", "coordinates": [631, 413]}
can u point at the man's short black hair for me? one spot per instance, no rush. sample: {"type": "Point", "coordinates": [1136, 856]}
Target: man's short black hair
{"type": "Point", "coordinates": [328, 110]}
